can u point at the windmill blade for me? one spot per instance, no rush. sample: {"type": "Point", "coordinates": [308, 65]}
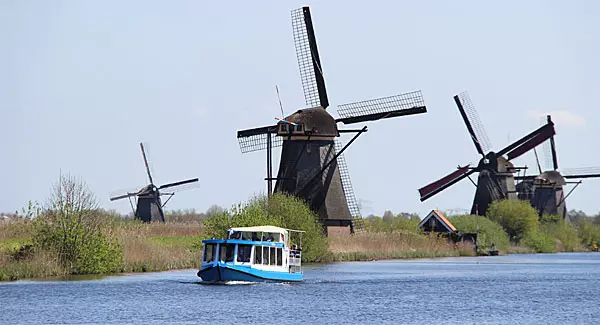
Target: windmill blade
{"type": "Point", "coordinates": [346, 184]}
{"type": "Point", "coordinates": [549, 148]}
{"type": "Point", "coordinates": [123, 196]}
{"type": "Point", "coordinates": [552, 146]}
{"type": "Point", "coordinates": [309, 63]}
{"type": "Point", "coordinates": [125, 193]}
{"type": "Point", "coordinates": [443, 183]}
{"type": "Point", "coordinates": [380, 108]}
{"type": "Point", "coordinates": [256, 139]}
{"type": "Point", "coordinates": [178, 186]}
{"type": "Point", "coordinates": [528, 142]}
{"type": "Point", "coordinates": [474, 126]}
{"type": "Point", "coordinates": [146, 163]}
{"type": "Point", "coordinates": [585, 172]}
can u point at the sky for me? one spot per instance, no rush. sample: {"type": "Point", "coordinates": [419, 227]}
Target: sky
{"type": "Point", "coordinates": [82, 83]}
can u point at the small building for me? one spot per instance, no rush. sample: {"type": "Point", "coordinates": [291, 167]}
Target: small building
{"type": "Point", "coordinates": [435, 221]}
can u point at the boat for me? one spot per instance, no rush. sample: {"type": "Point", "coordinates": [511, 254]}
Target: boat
{"type": "Point", "coordinates": [253, 254]}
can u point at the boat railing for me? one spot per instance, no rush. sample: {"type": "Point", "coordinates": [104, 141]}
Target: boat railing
{"type": "Point", "coordinates": [295, 260]}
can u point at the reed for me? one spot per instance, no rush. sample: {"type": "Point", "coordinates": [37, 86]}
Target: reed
{"type": "Point", "coordinates": [394, 245]}
{"type": "Point", "coordinates": [148, 254]}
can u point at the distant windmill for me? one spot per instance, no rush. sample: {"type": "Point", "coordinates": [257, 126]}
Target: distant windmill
{"type": "Point", "coordinates": [149, 206]}
{"type": "Point", "coordinates": [312, 166]}
{"type": "Point", "coordinates": [545, 191]}
{"type": "Point", "coordinates": [496, 179]}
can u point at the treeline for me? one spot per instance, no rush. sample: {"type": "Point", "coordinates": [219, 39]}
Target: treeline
{"type": "Point", "coordinates": [512, 226]}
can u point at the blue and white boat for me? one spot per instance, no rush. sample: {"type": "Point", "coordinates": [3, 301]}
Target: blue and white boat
{"type": "Point", "coordinates": [255, 254]}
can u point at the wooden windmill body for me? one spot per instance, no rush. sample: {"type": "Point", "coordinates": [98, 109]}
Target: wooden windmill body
{"type": "Point", "coordinates": [311, 165]}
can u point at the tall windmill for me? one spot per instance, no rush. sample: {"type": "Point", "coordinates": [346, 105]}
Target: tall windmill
{"type": "Point", "coordinates": [311, 166]}
{"type": "Point", "coordinates": [546, 191]}
{"type": "Point", "coordinates": [495, 180]}
{"type": "Point", "coordinates": [149, 206]}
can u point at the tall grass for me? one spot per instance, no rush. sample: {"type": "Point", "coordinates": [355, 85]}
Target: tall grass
{"type": "Point", "coordinates": [393, 245]}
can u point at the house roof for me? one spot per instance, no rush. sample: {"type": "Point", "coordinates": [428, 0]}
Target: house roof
{"type": "Point", "coordinates": [440, 217]}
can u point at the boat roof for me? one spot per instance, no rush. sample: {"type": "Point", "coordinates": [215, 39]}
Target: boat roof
{"type": "Point", "coordinates": [264, 229]}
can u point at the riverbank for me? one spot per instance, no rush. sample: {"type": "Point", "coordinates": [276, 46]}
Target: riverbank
{"type": "Point", "coordinates": [172, 246]}
{"type": "Point", "coordinates": [146, 248]}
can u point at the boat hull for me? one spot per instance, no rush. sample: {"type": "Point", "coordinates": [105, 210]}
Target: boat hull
{"type": "Point", "coordinates": [221, 272]}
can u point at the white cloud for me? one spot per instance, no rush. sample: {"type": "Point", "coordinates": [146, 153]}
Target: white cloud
{"type": "Point", "coordinates": [562, 118]}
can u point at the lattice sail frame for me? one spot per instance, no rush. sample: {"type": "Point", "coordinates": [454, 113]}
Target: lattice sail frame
{"type": "Point", "coordinates": [382, 105]}
{"type": "Point", "coordinates": [346, 183]}
{"type": "Point", "coordinates": [259, 142]}
{"type": "Point", "coordinates": [305, 59]}
{"type": "Point", "coordinates": [473, 116]}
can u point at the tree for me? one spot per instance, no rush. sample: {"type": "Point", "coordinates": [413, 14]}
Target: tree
{"type": "Point", "coordinates": [387, 216]}
{"type": "Point", "coordinates": [517, 217]}
{"type": "Point", "coordinates": [71, 227]}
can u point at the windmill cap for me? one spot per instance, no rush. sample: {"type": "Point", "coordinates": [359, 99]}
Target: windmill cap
{"type": "Point", "coordinates": [315, 118]}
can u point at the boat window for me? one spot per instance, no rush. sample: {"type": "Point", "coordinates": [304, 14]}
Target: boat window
{"type": "Point", "coordinates": [246, 235]}
{"type": "Point", "coordinates": [209, 252]}
{"type": "Point", "coordinates": [227, 252]}
{"type": "Point", "coordinates": [265, 255]}
{"type": "Point", "coordinates": [272, 256]}
{"type": "Point", "coordinates": [243, 254]}
{"type": "Point", "coordinates": [279, 256]}
{"type": "Point", "coordinates": [255, 237]}
{"type": "Point", "coordinates": [257, 254]}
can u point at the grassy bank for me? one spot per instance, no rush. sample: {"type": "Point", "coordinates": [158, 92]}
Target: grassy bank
{"type": "Point", "coordinates": [146, 248]}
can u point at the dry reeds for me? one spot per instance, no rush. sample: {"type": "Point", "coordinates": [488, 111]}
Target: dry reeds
{"type": "Point", "coordinates": [373, 246]}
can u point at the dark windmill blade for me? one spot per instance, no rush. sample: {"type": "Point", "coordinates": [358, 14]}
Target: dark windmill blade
{"type": "Point", "coordinates": [443, 183]}
{"type": "Point", "coordinates": [173, 186]}
{"type": "Point", "coordinates": [257, 139]}
{"type": "Point", "coordinates": [311, 72]}
{"type": "Point", "coordinates": [146, 163]}
{"type": "Point", "coordinates": [125, 193]}
{"type": "Point", "coordinates": [473, 123]}
{"type": "Point", "coordinates": [552, 146]}
{"type": "Point", "coordinates": [122, 196]}
{"type": "Point", "coordinates": [380, 108]}
{"type": "Point", "coordinates": [528, 142]}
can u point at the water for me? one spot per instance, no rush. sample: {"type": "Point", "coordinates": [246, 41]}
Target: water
{"type": "Point", "coordinates": [523, 289]}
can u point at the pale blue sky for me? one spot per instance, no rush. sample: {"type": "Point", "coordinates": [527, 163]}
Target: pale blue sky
{"type": "Point", "coordinates": [83, 82]}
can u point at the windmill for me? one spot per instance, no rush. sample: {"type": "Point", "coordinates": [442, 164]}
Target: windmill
{"type": "Point", "coordinates": [311, 165]}
{"type": "Point", "coordinates": [545, 191]}
{"type": "Point", "coordinates": [149, 206]}
{"type": "Point", "coordinates": [495, 180]}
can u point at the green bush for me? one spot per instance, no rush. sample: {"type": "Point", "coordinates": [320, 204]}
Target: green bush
{"type": "Point", "coordinates": [490, 233]}
{"type": "Point", "coordinates": [279, 210]}
{"type": "Point", "coordinates": [565, 234]}
{"type": "Point", "coordinates": [71, 227]}
{"type": "Point", "coordinates": [588, 233]}
{"type": "Point", "coordinates": [539, 241]}
{"type": "Point", "coordinates": [517, 217]}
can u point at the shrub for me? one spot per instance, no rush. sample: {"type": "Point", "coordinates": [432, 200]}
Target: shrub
{"type": "Point", "coordinates": [279, 210]}
{"type": "Point", "coordinates": [564, 233]}
{"type": "Point", "coordinates": [517, 217]}
{"type": "Point", "coordinates": [588, 233]}
{"type": "Point", "coordinates": [71, 227]}
{"type": "Point", "coordinates": [489, 232]}
{"type": "Point", "coordinates": [539, 241]}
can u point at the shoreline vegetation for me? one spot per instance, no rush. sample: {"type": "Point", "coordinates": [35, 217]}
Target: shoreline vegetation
{"type": "Point", "coordinates": [70, 235]}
